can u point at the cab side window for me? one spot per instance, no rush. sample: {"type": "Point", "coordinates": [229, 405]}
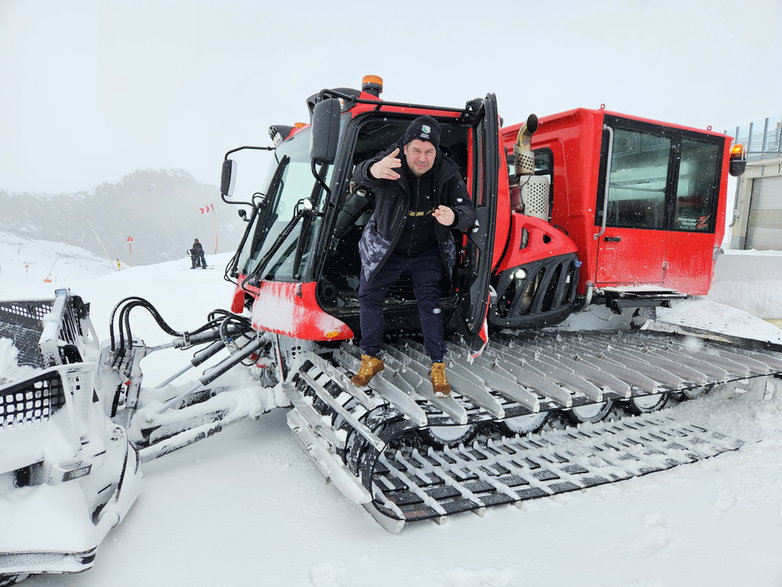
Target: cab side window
{"type": "Point", "coordinates": [658, 178]}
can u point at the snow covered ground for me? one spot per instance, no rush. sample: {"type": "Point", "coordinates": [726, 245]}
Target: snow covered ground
{"type": "Point", "coordinates": [29, 261]}
{"type": "Point", "coordinates": [246, 507]}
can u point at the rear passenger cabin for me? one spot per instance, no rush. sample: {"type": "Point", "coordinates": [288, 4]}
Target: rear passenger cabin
{"type": "Point", "coordinates": [645, 202]}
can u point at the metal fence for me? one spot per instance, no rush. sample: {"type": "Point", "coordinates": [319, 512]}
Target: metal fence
{"type": "Point", "coordinates": [761, 139]}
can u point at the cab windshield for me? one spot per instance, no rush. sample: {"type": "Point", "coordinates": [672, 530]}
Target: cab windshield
{"type": "Point", "coordinates": [289, 184]}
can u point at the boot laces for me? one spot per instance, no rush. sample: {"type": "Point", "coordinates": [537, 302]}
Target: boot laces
{"type": "Point", "coordinates": [365, 370]}
{"type": "Point", "coordinates": [438, 375]}
{"type": "Point", "coordinates": [368, 366]}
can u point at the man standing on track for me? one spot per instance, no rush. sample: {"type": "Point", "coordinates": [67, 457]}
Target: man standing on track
{"type": "Point", "coordinates": [420, 198]}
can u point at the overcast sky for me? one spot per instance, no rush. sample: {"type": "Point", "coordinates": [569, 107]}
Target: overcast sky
{"type": "Point", "coordinates": [91, 90]}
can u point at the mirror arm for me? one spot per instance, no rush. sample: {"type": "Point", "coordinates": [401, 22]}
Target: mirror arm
{"type": "Point", "coordinates": [318, 177]}
{"type": "Point", "coordinates": [225, 158]}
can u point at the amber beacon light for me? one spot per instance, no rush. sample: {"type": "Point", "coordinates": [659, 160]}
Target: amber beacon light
{"type": "Point", "coordinates": [372, 84]}
{"type": "Point", "coordinates": [738, 160]}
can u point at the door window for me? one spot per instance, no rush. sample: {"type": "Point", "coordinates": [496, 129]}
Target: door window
{"type": "Point", "coordinates": [696, 189]}
{"type": "Point", "coordinates": [636, 184]}
{"type": "Point", "coordinates": [658, 177]}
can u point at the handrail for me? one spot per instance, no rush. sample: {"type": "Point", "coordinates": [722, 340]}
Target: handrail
{"type": "Point", "coordinates": [608, 181]}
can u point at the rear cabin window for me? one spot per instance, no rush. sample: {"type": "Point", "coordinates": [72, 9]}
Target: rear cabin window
{"type": "Point", "coordinates": [696, 190]}
{"type": "Point", "coordinates": [638, 179]}
{"type": "Point", "coordinates": [658, 178]}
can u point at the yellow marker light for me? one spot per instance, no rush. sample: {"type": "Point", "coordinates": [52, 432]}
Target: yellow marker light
{"type": "Point", "coordinates": [372, 84]}
{"type": "Point", "coordinates": [331, 334]}
{"type": "Point", "coordinates": [737, 150]}
{"type": "Point", "coordinates": [372, 79]}
{"type": "Point", "coordinates": [738, 160]}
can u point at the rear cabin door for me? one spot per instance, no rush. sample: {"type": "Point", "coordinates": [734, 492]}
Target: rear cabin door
{"type": "Point", "coordinates": [485, 166]}
{"type": "Point", "coordinates": [657, 184]}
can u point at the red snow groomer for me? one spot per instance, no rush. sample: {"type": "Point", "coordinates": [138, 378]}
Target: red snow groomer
{"type": "Point", "coordinates": [580, 215]}
{"type": "Point", "coordinates": [577, 211]}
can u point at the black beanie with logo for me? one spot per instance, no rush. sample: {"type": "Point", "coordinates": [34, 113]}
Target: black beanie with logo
{"type": "Point", "coordinates": [423, 128]}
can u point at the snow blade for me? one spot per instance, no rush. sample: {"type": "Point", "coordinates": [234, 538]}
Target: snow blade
{"type": "Point", "coordinates": [63, 463]}
{"type": "Point", "coordinates": [21, 321]}
{"type": "Point", "coordinates": [47, 332]}
{"type": "Point", "coordinates": [412, 485]}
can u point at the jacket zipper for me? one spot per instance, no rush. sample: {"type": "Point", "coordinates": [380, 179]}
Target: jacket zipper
{"type": "Point", "coordinates": [413, 222]}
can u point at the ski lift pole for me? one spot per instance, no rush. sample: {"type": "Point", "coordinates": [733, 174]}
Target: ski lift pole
{"type": "Point", "coordinates": [57, 258]}
{"type": "Point", "coordinates": [214, 226]}
{"type": "Point", "coordinates": [97, 236]}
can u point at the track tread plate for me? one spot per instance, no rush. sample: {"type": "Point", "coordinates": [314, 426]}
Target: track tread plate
{"type": "Point", "coordinates": [513, 470]}
{"type": "Point", "coordinates": [625, 355]}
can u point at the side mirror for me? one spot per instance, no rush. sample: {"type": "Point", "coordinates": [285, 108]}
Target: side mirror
{"type": "Point", "coordinates": [325, 130]}
{"type": "Point", "coordinates": [228, 178]}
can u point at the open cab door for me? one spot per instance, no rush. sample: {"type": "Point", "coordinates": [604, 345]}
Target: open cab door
{"type": "Point", "coordinates": [483, 178]}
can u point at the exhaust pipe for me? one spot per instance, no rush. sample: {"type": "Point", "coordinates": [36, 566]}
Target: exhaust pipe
{"type": "Point", "coordinates": [533, 190]}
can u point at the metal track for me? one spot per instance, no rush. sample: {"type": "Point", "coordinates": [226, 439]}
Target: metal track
{"type": "Point", "coordinates": [370, 435]}
{"type": "Point", "coordinates": [413, 484]}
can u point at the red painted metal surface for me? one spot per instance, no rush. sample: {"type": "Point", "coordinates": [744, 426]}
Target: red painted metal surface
{"type": "Point", "coordinates": [292, 309]}
{"type": "Point", "coordinates": [678, 260]}
{"type": "Point", "coordinates": [543, 241]}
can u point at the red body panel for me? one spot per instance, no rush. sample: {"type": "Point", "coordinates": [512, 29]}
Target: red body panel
{"type": "Point", "coordinates": [544, 241]}
{"type": "Point", "coordinates": [361, 108]}
{"type": "Point", "coordinates": [505, 226]}
{"type": "Point", "coordinates": [637, 259]}
{"type": "Point", "coordinates": [292, 309]}
{"type": "Point", "coordinates": [678, 260]}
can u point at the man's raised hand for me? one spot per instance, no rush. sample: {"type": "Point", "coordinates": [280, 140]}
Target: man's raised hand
{"type": "Point", "coordinates": [384, 169]}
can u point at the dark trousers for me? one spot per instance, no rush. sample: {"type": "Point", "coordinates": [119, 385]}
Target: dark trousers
{"type": "Point", "coordinates": [198, 259]}
{"type": "Point", "coordinates": [426, 271]}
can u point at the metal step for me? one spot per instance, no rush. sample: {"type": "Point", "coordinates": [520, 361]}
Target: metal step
{"type": "Point", "coordinates": [520, 375]}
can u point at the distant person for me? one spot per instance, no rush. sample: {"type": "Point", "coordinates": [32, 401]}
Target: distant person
{"type": "Point", "coordinates": [197, 255]}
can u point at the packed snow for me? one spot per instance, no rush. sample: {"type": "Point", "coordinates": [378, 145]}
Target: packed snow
{"type": "Point", "coordinates": [247, 507]}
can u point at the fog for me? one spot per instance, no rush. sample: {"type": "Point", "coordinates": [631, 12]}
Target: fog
{"type": "Point", "coordinates": [91, 90]}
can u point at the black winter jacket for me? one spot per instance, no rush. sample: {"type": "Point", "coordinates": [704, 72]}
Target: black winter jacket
{"type": "Point", "coordinates": [393, 202]}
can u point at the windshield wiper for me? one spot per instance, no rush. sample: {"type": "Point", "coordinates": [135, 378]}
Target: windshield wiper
{"type": "Point", "coordinates": [312, 202]}
{"type": "Point", "coordinates": [307, 207]}
{"type": "Point", "coordinates": [303, 207]}
{"type": "Point", "coordinates": [271, 193]}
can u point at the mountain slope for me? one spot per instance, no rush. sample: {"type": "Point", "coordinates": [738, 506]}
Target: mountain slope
{"type": "Point", "coordinates": [161, 210]}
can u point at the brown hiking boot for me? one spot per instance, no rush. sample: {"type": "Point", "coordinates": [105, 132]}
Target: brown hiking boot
{"type": "Point", "coordinates": [370, 366]}
{"type": "Point", "coordinates": [440, 384]}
